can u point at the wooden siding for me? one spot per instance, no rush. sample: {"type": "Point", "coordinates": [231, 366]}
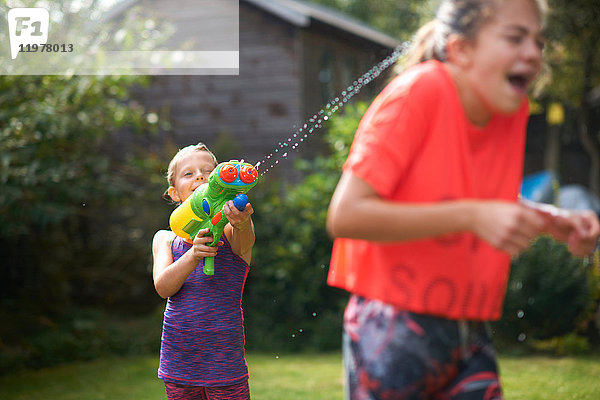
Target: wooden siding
{"type": "Point", "coordinates": [277, 89]}
{"type": "Point", "coordinates": [256, 108]}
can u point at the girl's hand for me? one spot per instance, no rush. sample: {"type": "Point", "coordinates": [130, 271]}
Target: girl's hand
{"type": "Point", "coordinates": [240, 230]}
{"type": "Point", "coordinates": [238, 219]}
{"type": "Point", "coordinates": [578, 229]}
{"type": "Point", "coordinates": [584, 236]}
{"type": "Point", "coordinates": [200, 248]}
{"type": "Point", "coordinates": [507, 226]}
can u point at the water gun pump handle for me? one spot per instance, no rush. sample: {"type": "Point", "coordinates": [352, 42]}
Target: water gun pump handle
{"type": "Point", "coordinates": [240, 201]}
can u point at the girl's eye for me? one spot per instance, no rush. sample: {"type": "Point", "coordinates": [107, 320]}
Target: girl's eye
{"type": "Point", "coordinates": [514, 39]}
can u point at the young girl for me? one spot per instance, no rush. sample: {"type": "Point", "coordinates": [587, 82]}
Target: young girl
{"type": "Point", "coordinates": [426, 211]}
{"type": "Point", "coordinates": [202, 346]}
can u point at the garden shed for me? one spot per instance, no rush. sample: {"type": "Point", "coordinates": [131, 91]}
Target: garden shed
{"type": "Point", "coordinates": [293, 57]}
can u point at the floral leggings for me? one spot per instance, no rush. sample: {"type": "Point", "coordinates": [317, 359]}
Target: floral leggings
{"type": "Point", "coordinates": [392, 355]}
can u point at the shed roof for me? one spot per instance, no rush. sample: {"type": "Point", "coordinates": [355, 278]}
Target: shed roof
{"type": "Point", "coordinates": [302, 14]}
{"type": "Point", "coordinates": [298, 13]}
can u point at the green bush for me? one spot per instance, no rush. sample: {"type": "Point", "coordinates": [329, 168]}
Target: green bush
{"type": "Point", "coordinates": [547, 296]}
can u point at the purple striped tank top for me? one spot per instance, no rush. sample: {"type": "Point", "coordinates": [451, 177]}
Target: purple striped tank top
{"type": "Point", "coordinates": [203, 335]}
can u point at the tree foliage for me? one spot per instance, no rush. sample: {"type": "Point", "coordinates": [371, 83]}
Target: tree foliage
{"type": "Point", "coordinates": [400, 19]}
{"type": "Point", "coordinates": [54, 153]}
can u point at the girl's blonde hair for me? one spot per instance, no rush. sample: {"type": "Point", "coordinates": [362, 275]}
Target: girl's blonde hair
{"type": "Point", "coordinates": [462, 17]}
{"type": "Point", "coordinates": [172, 170]}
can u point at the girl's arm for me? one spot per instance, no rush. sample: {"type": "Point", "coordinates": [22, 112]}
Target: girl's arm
{"type": "Point", "coordinates": [240, 230]}
{"type": "Point", "coordinates": [356, 211]}
{"type": "Point", "coordinates": [169, 276]}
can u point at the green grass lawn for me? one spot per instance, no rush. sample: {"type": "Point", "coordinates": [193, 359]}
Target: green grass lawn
{"type": "Point", "coordinates": [287, 377]}
{"type": "Point", "coordinates": [551, 378]}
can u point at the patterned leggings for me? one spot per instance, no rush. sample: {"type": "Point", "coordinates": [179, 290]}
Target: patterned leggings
{"type": "Point", "coordinates": [393, 355]}
{"type": "Point", "coordinates": [241, 391]}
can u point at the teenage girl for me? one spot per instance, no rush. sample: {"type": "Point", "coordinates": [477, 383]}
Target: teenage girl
{"type": "Point", "coordinates": [426, 213]}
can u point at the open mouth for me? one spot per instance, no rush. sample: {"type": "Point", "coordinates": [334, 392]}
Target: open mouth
{"type": "Point", "coordinates": [519, 81]}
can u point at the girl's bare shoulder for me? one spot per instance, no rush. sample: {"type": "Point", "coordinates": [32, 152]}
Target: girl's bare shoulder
{"type": "Point", "coordinates": [162, 238]}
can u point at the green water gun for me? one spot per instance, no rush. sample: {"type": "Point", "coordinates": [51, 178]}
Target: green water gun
{"type": "Point", "coordinates": [230, 180]}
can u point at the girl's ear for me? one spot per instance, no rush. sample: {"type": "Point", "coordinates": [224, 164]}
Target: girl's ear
{"type": "Point", "coordinates": [172, 192]}
{"type": "Point", "coordinates": [459, 50]}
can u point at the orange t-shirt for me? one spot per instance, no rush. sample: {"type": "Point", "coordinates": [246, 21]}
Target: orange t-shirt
{"type": "Point", "coordinates": [416, 145]}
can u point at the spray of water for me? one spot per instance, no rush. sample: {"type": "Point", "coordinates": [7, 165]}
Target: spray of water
{"type": "Point", "coordinates": [315, 122]}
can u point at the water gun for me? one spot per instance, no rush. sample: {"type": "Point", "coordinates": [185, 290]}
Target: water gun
{"type": "Point", "coordinates": [203, 209]}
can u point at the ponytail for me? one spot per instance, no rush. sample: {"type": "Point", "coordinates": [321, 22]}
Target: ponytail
{"type": "Point", "coordinates": [424, 46]}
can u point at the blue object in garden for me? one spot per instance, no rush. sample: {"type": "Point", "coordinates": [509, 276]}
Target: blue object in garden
{"type": "Point", "coordinates": [539, 186]}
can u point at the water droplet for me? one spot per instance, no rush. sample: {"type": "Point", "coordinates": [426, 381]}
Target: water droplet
{"type": "Point", "coordinates": [520, 314]}
{"type": "Point", "coordinates": [530, 301]}
{"type": "Point", "coordinates": [522, 337]}
{"type": "Point", "coordinates": [519, 285]}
